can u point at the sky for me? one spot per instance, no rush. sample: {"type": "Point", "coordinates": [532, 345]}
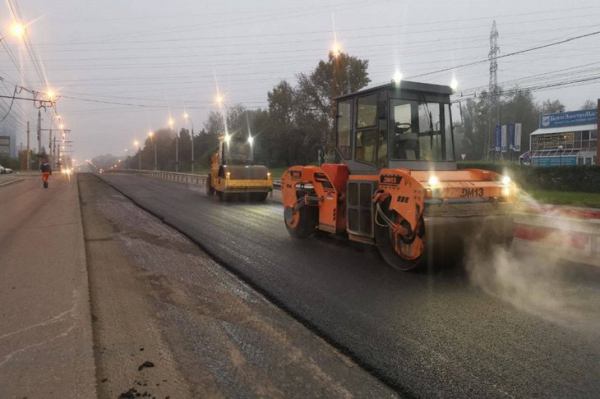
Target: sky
{"type": "Point", "coordinates": [123, 68]}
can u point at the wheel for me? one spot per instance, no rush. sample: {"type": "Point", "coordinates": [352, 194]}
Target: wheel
{"type": "Point", "coordinates": [45, 184]}
{"type": "Point", "coordinates": [259, 197]}
{"type": "Point", "coordinates": [385, 244]}
{"type": "Point", "coordinates": [303, 223]}
{"type": "Point", "coordinates": [224, 197]}
{"type": "Point", "coordinates": [209, 188]}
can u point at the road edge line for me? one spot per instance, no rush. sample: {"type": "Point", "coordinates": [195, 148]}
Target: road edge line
{"type": "Point", "coordinates": [88, 317]}
{"type": "Point", "coordinates": [11, 182]}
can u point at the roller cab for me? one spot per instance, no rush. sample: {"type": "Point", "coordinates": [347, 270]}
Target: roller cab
{"type": "Point", "coordinates": [398, 186]}
{"type": "Point", "coordinates": [233, 173]}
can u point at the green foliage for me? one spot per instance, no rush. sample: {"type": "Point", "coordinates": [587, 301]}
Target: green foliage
{"type": "Point", "coordinates": [516, 106]}
{"type": "Point", "coordinates": [581, 178]}
{"type": "Point", "coordinates": [591, 200]}
{"type": "Point", "coordinates": [12, 163]}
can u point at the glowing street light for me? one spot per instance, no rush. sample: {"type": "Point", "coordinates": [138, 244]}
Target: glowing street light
{"type": "Point", "coordinates": [17, 30]}
{"type": "Point", "coordinates": [397, 77]}
{"type": "Point", "coordinates": [336, 50]}
{"type": "Point", "coordinates": [454, 85]}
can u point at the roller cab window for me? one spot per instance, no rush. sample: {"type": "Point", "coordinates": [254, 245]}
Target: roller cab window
{"type": "Point", "coordinates": [421, 131]}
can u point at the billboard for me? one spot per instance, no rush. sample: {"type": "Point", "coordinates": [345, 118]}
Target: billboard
{"type": "Point", "coordinates": [497, 138]}
{"type": "Point", "coordinates": [507, 137]}
{"type": "Point", "coordinates": [517, 138]}
{"type": "Point", "coordinates": [572, 118]}
{"type": "Point", "coordinates": [554, 161]}
{"type": "Point", "coordinates": [5, 145]}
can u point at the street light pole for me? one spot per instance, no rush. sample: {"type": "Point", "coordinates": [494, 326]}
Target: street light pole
{"type": "Point", "coordinates": [151, 134]}
{"type": "Point", "coordinates": [560, 148]}
{"type": "Point", "coordinates": [137, 144]}
{"type": "Point", "coordinates": [192, 139]}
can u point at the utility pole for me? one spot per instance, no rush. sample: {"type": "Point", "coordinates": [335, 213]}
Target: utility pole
{"type": "Point", "coordinates": [192, 139]}
{"type": "Point", "coordinates": [489, 151]}
{"type": "Point", "coordinates": [39, 137]}
{"type": "Point", "coordinates": [28, 155]}
{"type": "Point", "coordinates": [50, 148]}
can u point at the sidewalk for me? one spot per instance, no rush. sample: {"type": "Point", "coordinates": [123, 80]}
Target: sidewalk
{"type": "Point", "coordinates": [45, 329]}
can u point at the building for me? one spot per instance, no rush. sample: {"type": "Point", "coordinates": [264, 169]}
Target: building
{"type": "Point", "coordinates": [5, 146]}
{"type": "Point", "coordinates": [565, 138]}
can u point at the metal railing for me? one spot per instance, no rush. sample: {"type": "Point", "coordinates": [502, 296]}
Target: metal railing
{"type": "Point", "coordinates": [187, 178]}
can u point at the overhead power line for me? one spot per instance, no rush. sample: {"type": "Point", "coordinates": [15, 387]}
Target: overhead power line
{"type": "Point", "coordinates": [509, 54]}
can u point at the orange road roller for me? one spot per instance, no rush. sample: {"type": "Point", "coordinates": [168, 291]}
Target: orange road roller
{"type": "Point", "coordinates": [397, 186]}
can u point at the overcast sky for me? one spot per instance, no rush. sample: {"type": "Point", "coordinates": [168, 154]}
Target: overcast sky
{"type": "Point", "coordinates": [122, 66]}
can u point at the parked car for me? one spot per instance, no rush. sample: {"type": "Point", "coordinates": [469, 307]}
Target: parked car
{"type": "Point", "coordinates": [4, 170]}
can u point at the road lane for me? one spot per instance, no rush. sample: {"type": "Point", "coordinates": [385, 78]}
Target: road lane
{"type": "Point", "coordinates": [426, 335]}
{"type": "Point", "coordinates": [45, 321]}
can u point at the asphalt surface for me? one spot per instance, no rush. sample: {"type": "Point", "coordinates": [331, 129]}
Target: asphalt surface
{"type": "Point", "coordinates": [426, 335]}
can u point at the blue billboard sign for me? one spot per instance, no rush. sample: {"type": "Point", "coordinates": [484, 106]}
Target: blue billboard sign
{"type": "Point", "coordinates": [511, 135]}
{"type": "Point", "coordinates": [498, 138]}
{"type": "Point", "coordinates": [573, 118]}
{"type": "Point", "coordinates": [554, 161]}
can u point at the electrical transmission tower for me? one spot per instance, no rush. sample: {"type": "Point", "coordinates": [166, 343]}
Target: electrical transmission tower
{"type": "Point", "coordinates": [489, 152]}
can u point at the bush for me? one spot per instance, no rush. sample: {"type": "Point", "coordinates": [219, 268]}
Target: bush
{"type": "Point", "coordinates": [582, 178]}
{"type": "Point", "coordinates": [7, 162]}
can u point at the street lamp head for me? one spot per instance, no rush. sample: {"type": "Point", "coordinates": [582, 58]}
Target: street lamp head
{"type": "Point", "coordinates": [220, 100]}
{"type": "Point", "coordinates": [171, 122]}
{"type": "Point", "coordinates": [336, 50]}
{"type": "Point", "coordinates": [61, 126]}
{"type": "Point", "coordinates": [17, 29]}
{"type": "Point", "coordinates": [51, 95]}
{"type": "Point", "coordinates": [186, 116]}
{"type": "Point", "coordinates": [136, 143]}
{"type": "Point", "coordinates": [151, 134]}
{"type": "Point", "coordinates": [454, 85]}
{"type": "Point", "coordinates": [250, 140]}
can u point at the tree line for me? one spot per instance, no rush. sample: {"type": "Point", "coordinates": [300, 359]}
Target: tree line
{"type": "Point", "coordinates": [297, 124]}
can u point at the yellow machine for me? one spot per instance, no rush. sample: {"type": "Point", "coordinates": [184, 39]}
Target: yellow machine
{"type": "Point", "coordinates": [233, 173]}
{"type": "Point", "coordinates": [398, 186]}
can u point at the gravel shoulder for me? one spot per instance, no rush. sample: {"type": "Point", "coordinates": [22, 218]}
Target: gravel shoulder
{"type": "Point", "coordinates": [156, 297]}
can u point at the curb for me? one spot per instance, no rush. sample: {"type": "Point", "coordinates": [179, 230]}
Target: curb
{"type": "Point", "coordinates": [11, 182]}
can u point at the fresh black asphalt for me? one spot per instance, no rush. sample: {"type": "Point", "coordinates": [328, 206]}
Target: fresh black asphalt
{"type": "Point", "coordinates": [426, 335]}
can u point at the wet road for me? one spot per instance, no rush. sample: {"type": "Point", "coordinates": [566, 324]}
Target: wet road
{"type": "Point", "coordinates": [425, 335]}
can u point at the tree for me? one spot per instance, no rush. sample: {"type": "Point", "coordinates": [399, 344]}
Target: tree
{"type": "Point", "coordinates": [520, 107]}
{"type": "Point", "coordinates": [551, 107]}
{"type": "Point", "coordinates": [589, 104]}
{"type": "Point", "coordinates": [331, 78]}
{"type": "Point", "coordinates": [215, 124]}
